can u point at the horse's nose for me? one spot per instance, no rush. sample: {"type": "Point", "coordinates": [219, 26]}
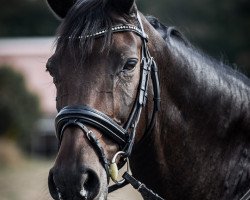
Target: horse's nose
{"type": "Point", "coordinates": [84, 186]}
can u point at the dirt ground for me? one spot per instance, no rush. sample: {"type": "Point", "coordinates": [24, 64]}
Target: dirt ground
{"type": "Point", "coordinates": [28, 181]}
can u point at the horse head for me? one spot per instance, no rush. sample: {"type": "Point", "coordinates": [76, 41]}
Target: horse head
{"type": "Point", "coordinates": [101, 70]}
{"type": "Point", "coordinates": [106, 75]}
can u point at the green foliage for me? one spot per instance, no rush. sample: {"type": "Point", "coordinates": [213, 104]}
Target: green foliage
{"type": "Point", "coordinates": [26, 18]}
{"type": "Point", "coordinates": [19, 109]}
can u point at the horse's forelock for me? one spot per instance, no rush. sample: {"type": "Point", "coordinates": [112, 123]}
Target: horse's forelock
{"type": "Point", "coordinates": [84, 18]}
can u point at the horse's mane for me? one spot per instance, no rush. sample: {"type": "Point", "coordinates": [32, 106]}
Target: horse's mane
{"type": "Point", "coordinates": [167, 32]}
{"type": "Point", "coordinates": [211, 80]}
{"type": "Point", "coordinates": [173, 36]}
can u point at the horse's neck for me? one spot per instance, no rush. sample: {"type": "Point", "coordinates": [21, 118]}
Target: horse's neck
{"type": "Point", "coordinates": [147, 159]}
{"type": "Point", "coordinates": [205, 92]}
{"type": "Point", "coordinates": [204, 119]}
{"type": "Point", "coordinates": [204, 124]}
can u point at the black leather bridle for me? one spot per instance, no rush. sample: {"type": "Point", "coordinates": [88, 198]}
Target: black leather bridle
{"type": "Point", "coordinates": [82, 116]}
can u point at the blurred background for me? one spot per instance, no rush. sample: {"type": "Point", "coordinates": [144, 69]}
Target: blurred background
{"type": "Point", "coordinates": [27, 94]}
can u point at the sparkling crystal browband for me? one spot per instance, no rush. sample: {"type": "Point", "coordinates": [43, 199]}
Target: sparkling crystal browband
{"type": "Point", "coordinates": [119, 28]}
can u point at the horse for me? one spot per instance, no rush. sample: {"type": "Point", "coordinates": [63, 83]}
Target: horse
{"type": "Point", "coordinates": [131, 89]}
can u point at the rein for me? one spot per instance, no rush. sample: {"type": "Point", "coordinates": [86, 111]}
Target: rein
{"type": "Point", "coordinates": [82, 115]}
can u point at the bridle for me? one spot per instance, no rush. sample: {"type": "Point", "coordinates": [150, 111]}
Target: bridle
{"type": "Point", "coordinates": [82, 116]}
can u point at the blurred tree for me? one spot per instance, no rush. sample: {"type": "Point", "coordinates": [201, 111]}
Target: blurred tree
{"type": "Point", "coordinates": [19, 109]}
{"type": "Point", "coordinates": [26, 18]}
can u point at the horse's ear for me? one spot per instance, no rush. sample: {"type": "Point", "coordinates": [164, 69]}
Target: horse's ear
{"type": "Point", "coordinates": [125, 6]}
{"type": "Point", "coordinates": [60, 7]}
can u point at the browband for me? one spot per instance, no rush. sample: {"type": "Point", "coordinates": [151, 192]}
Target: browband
{"type": "Point", "coordinates": [116, 29]}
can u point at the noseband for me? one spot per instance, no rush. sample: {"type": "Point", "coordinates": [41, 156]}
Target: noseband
{"type": "Point", "coordinates": [82, 116]}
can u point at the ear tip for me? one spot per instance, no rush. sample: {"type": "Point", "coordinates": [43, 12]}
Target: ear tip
{"type": "Point", "coordinates": [60, 7]}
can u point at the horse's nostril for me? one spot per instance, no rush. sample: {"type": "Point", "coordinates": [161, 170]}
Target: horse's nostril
{"type": "Point", "coordinates": [90, 184]}
{"type": "Point", "coordinates": [52, 186]}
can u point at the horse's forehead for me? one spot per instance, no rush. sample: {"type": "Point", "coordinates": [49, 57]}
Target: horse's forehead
{"type": "Point", "coordinates": [123, 46]}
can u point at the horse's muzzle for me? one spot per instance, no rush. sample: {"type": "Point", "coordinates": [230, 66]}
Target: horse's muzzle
{"type": "Point", "coordinates": [82, 186]}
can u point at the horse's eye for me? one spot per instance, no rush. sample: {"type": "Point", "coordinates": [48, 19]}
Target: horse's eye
{"type": "Point", "coordinates": [130, 64]}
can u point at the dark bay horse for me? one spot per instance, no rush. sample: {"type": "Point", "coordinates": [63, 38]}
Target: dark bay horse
{"type": "Point", "coordinates": [195, 147]}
